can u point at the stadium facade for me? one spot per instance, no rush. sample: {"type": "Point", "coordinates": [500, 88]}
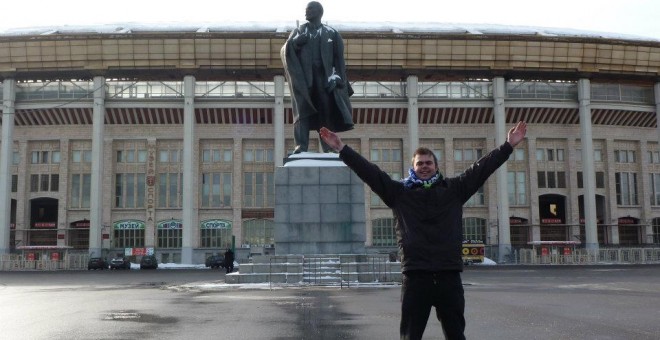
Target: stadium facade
{"type": "Point", "coordinates": [167, 138]}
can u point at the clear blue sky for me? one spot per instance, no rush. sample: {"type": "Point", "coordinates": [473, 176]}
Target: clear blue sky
{"type": "Point", "coordinates": [637, 17]}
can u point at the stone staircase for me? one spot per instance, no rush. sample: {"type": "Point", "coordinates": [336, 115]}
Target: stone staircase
{"type": "Point", "coordinates": [326, 270]}
{"type": "Point", "coordinates": [322, 270]}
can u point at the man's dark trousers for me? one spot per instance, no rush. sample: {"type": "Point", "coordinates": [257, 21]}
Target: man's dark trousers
{"type": "Point", "coordinates": [421, 291]}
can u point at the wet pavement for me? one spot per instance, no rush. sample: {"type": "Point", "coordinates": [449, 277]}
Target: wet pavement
{"type": "Point", "coordinates": [516, 302]}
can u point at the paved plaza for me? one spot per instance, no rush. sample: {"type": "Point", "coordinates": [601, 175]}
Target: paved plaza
{"type": "Point", "coordinates": [517, 302]}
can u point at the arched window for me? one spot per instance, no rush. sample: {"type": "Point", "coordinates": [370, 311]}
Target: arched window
{"type": "Point", "coordinates": [215, 234]}
{"type": "Point", "coordinates": [169, 234]}
{"type": "Point", "coordinates": [258, 232]}
{"type": "Point", "coordinates": [384, 234]}
{"type": "Point", "coordinates": [474, 229]}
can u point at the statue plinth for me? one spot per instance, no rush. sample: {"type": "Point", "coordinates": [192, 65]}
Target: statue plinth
{"type": "Point", "coordinates": [319, 206]}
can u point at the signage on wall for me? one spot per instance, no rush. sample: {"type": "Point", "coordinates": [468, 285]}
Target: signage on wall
{"type": "Point", "coordinates": [517, 220]}
{"type": "Point", "coordinates": [128, 225]}
{"type": "Point", "coordinates": [81, 224]}
{"type": "Point", "coordinates": [151, 183]}
{"type": "Point", "coordinates": [551, 221]}
{"type": "Point", "coordinates": [138, 251]}
{"type": "Point", "coordinates": [169, 224]}
{"type": "Point", "coordinates": [627, 220]}
{"type": "Point", "coordinates": [44, 225]}
{"type": "Point", "coordinates": [215, 224]}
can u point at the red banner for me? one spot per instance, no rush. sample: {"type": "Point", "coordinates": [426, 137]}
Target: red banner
{"type": "Point", "coordinates": [551, 220]}
{"type": "Point", "coordinates": [44, 225]}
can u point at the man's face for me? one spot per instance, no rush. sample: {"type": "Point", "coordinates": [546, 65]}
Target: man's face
{"type": "Point", "coordinates": [424, 166]}
{"type": "Point", "coordinates": [312, 11]}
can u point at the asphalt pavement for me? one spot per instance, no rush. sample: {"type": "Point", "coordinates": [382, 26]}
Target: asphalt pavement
{"type": "Point", "coordinates": [502, 302]}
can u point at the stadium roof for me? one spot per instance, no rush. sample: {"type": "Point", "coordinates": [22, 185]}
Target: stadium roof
{"type": "Point", "coordinates": [283, 27]}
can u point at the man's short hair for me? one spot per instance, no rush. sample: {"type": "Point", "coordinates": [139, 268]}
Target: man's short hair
{"type": "Point", "coordinates": [424, 151]}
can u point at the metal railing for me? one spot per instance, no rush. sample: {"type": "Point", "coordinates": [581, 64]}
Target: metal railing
{"type": "Point", "coordinates": [586, 256]}
{"type": "Point", "coordinates": [13, 262]}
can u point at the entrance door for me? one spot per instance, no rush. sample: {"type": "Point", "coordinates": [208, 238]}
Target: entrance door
{"type": "Point", "coordinates": [552, 210]}
{"type": "Point", "coordinates": [43, 222]}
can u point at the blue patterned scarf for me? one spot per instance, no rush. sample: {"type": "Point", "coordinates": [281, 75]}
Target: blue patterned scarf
{"type": "Point", "coordinates": [412, 181]}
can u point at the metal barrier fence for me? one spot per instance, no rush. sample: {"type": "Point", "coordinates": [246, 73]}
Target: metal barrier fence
{"type": "Point", "coordinates": [586, 256]}
{"type": "Point", "coordinates": [13, 262]}
{"type": "Point", "coordinates": [325, 270]}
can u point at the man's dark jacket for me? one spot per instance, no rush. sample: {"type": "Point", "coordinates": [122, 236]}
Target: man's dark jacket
{"type": "Point", "coordinates": [429, 222]}
{"type": "Point", "coordinates": [298, 69]}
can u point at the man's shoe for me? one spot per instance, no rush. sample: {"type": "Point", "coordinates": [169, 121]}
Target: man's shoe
{"type": "Point", "coordinates": [298, 149]}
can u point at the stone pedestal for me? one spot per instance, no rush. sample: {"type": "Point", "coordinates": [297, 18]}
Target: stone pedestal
{"type": "Point", "coordinates": [319, 207]}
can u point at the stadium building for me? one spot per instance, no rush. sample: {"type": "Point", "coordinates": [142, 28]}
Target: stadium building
{"type": "Point", "coordinates": [167, 138]}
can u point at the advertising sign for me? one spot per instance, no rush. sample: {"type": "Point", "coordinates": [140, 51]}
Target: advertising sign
{"type": "Point", "coordinates": [215, 224]}
{"type": "Point", "coordinates": [128, 225]}
{"type": "Point", "coordinates": [138, 251]}
{"type": "Point", "coordinates": [473, 251]}
{"type": "Point", "coordinates": [169, 224]}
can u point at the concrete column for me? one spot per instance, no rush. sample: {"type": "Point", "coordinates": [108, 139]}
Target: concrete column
{"type": "Point", "coordinates": [589, 178]}
{"type": "Point", "coordinates": [22, 195]}
{"type": "Point", "coordinates": [150, 223]}
{"type": "Point", "coordinates": [63, 202]}
{"type": "Point", "coordinates": [237, 191]}
{"type": "Point", "coordinates": [278, 121]}
{"type": "Point", "coordinates": [657, 108]}
{"type": "Point", "coordinates": [534, 219]}
{"type": "Point", "coordinates": [499, 113]}
{"type": "Point", "coordinates": [413, 115]}
{"type": "Point", "coordinates": [6, 153]}
{"type": "Point", "coordinates": [96, 190]}
{"type": "Point", "coordinates": [645, 190]}
{"type": "Point", "coordinates": [649, 227]}
{"type": "Point", "coordinates": [612, 231]}
{"type": "Point", "coordinates": [573, 210]}
{"type": "Point", "coordinates": [189, 189]}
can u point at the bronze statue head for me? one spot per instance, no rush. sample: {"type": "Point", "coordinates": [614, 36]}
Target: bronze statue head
{"type": "Point", "coordinates": [314, 11]}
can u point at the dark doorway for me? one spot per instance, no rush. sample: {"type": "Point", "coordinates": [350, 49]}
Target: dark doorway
{"type": "Point", "coordinates": [79, 234]}
{"type": "Point", "coordinates": [603, 230]}
{"type": "Point", "coordinates": [43, 222]}
{"type": "Point", "coordinates": [552, 210]}
{"type": "Point", "coordinates": [519, 231]}
{"type": "Point", "coordinates": [630, 231]}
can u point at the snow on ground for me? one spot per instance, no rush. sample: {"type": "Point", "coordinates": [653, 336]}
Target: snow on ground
{"type": "Point", "coordinates": [221, 285]}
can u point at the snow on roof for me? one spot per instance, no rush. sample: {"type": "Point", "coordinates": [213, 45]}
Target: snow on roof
{"type": "Point", "coordinates": [283, 27]}
{"type": "Point", "coordinates": [314, 159]}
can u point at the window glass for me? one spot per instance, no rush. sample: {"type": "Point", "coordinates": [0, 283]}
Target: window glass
{"type": "Point", "coordinates": [374, 155]}
{"type": "Point", "coordinates": [76, 156]}
{"type": "Point", "coordinates": [458, 155]}
{"type": "Point", "coordinates": [163, 156]}
{"type": "Point", "coordinates": [142, 156]}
